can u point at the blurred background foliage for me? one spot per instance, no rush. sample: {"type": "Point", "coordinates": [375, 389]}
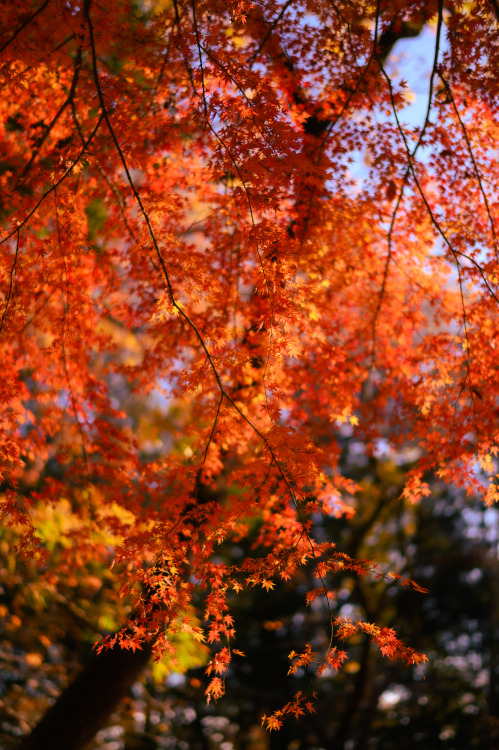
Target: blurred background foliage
{"type": "Point", "coordinates": [447, 543]}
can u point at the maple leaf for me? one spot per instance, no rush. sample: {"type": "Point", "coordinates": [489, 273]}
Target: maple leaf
{"type": "Point", "coordinates": [215, 689]}
{"type": "Point", "coordinates": [133, 644]}
{"type": "Point", "coordinates": [268, 585]}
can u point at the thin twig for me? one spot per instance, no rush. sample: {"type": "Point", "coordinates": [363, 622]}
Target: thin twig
{"type": "Point", "coordinates": [12, 272]}
{"type": "Point", "coordinates": [56, 184]}
{"type": "Point", "coordinates": [50, 126]}
{"type": "Point", "coordinates": [214, 425]}
{"type": "Point", "coordinates": [63, 344]}
{"type": "Point", "coordinates": [472, 157]}
{"type": "Point", "coordinates": [269, 32]}
{"type": "Point", "coordinates": [23, 25]}
{"type": "Point", "coordinates": [434, 71]}
{"type": "Point", "coordinates": [455, 253]}
{"type": "Point", "coordinates": [169, 286]}
{"type": "Point", "coordinates": [198, 44]}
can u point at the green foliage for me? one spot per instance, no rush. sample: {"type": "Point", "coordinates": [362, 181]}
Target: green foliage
{"type": "Point", "coordinates": [96, 216]}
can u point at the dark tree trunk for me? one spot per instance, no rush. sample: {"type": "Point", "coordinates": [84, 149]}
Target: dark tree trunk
{"type": "Point", "coordinates": [352, 707]}
{"type": "Point", "coordinates": [86, 704]}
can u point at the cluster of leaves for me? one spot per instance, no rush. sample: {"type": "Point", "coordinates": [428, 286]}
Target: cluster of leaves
{"type": "Point", "coordinates": [446, 542]}
{"type": "Point", "coordinates": [181, 223]}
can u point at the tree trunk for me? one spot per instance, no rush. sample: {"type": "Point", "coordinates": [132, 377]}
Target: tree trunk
{"type": "Point", "coordinates": [86, 704]}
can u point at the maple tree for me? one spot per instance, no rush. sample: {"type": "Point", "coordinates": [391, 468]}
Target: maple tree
{"type": "Point", "coordinates": [181, 224]}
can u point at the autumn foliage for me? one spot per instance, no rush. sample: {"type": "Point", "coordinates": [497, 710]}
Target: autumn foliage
{"type": "Point", "coordinates": [182, 231]}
